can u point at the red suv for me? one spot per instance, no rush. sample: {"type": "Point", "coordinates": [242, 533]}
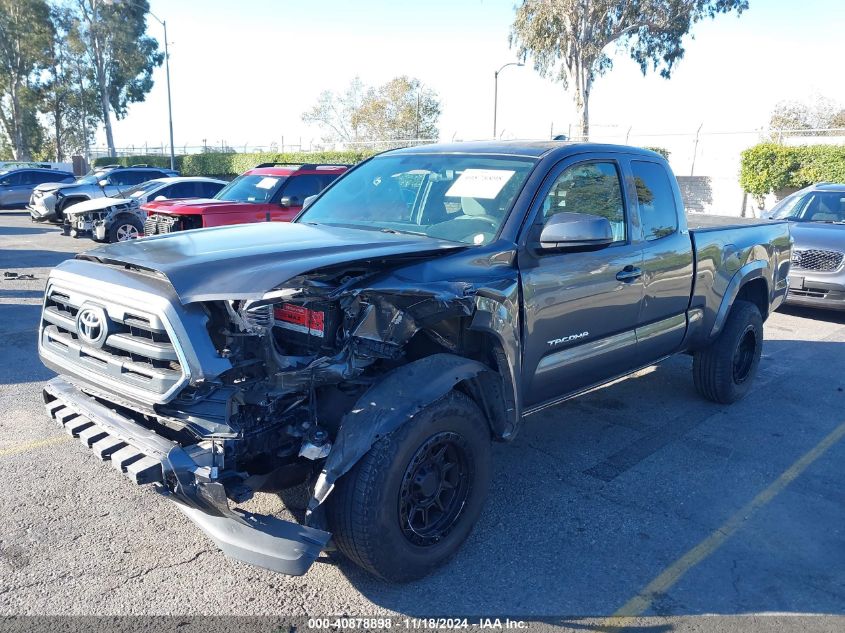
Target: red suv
{"type": "Point", "coordinates": [271, 192]}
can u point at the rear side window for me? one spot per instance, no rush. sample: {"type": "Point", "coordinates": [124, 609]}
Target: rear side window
{"type": "Point", "coordinates": [42, 177]}
{"type": "Point", "coordinates": [658, 213]}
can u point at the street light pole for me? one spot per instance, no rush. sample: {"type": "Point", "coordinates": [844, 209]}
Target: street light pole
{"type": "Point", "coordinates": [169, 104]}
{"type": "Point", "coordinates": [496, 91]}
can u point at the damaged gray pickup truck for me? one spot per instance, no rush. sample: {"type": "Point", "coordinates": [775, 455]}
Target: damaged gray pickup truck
{"type": "Point", "coordinates": [422, 306]}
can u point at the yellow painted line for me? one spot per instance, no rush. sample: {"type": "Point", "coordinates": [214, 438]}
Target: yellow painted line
{"type": "Point", "coordinates": [31, 446]}
{"type": "Point", "coordinates": [674, 572]}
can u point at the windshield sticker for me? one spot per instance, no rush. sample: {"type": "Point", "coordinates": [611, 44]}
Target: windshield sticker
{"type": "Point", "coordinates": [267, 183]}
{"type": "Point", "coordinates": [480, 183]}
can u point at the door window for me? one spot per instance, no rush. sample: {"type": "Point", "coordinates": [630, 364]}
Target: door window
{"type": "Point", "coordinates": [658, 213]}
{"type": "Point", "coordinates": [11, 180]}
{"type": "Point", "coordinates": [129, 177]}
{"type": "Point", "coordinates": [209, 189]}
{"type": "Point", "coordinates": [592, 188]}
{"type": "Point", "coordinates": [300, 187]}
{"type": "Point", "coordinates": [180, 190]}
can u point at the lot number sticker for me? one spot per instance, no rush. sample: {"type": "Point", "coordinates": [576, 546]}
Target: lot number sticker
{"type": "Point", "coordinates": [480, 183]}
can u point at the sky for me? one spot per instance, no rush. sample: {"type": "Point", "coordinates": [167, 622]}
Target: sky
{"type": "Point", "coordinates": [243, 72]}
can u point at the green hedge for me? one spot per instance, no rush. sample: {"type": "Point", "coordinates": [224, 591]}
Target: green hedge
{"type": "Point", "coordinates": [769, 167]}
{"type": "Point", "coordinates": [217, 164]}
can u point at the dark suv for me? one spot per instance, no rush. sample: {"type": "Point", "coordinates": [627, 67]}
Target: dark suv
{"type": "Point", "coordinates": [16, 184]}
{"type": "Point", "coordinates": [48, 201]}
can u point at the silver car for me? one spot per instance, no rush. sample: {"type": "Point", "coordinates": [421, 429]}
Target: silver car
{"type": "Point", "coordinates": [817, 222]}
{"type": "Point", "coordinates": [17, 183]}
{"type": "Point", "coordinates": [49, 201]}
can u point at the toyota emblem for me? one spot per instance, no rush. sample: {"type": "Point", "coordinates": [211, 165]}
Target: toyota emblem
{"type": "Point", "coordinates": [92, 325]}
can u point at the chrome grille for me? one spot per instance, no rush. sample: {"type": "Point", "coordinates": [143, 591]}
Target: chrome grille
{"type": "Point", "coordinates": [157, 223]}
{"type": "Point", "coordinates": [823, 261]}
{"type": "Point", "coordinates": [123, 347]}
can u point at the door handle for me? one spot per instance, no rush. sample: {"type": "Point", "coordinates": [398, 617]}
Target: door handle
{"type": "Point", "coordinates": [629, 273]}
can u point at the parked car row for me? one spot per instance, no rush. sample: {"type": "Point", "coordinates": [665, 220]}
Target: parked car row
{"type": "Point", "coordinates": [115, 204]}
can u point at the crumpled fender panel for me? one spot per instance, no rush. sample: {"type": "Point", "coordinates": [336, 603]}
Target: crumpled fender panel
{"type": "Point", "coordinates": [388, 405]}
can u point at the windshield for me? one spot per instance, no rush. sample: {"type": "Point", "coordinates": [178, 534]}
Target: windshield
{"type": "Point", "coordinates": [816, 206]}
{"type": "Point", "coordinates": [139, 190]}
{"type": "Point", "coordinates": [91, 179]}
{"type": "Point", "coordinates": [462, 198]}
{"type": "Point", "coordinates": [251, 188]}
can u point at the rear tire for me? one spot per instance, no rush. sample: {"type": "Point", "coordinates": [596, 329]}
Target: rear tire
{"type": "Point", "coordinates": [409, 504]}
{"type": "Point", "coordinates": [723, 372]}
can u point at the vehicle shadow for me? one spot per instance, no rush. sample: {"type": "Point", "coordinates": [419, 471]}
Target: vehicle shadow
{"type": "Point", "coordinates": [816, 314]}
{"type": "Point", "coordinates": [17, 258]}
{"type": "Point", "coordinates": [600, 495]}
{"type": "Point", "coordinates": [28, 230]}
{"type": "Point", "coordinates": [19, 333]}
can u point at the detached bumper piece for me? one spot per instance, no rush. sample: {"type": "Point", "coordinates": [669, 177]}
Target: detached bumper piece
{"type": "Point", "coordinates": [147, 458]}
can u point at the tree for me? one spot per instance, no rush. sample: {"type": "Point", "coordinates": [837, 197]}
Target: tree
{"type": "Point", "coordinates": [335, 112]}
{"type": "Point", "coordinates": [69, 96]}
{"type": "Point", "coordinates": [121, 55]}
{"type": "Point", "coordinates": [820, 113]}
{"type": "Point", "coordinates": [567, 39]}
{"type": "Point", "coordinates": [401, 109]}
{"type": "Point", "coordinates": [26, 35]}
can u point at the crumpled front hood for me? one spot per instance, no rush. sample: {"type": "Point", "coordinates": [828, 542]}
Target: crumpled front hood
{"type": "Point", "coordinates": [50, 187]}
{"type": "Point", "coordinates": [96, 204]}
{"type": "Point", "coordinates": [245, 261]}
{"type": "Point", "coordinates": [818, 235]}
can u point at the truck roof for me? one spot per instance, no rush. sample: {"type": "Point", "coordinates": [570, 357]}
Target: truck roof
{"type": "Point", "coordinates": [528, 148]}
{"type": "Point", "coordinates": [281, 169]}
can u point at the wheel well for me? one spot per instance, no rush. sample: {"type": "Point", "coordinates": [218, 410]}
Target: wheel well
{"type": "Point", "coordinates": [71, 200]}
{"type": "Point", "coordinates": [757, 292]}
{"type": "Point", "coordinates": [494, 390]}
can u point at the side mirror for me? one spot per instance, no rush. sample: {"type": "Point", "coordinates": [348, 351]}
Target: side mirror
{"type": "Point", "coordinates": [159, 198]}
{"type": "Point", "coordinates": [5, 183]}
{"type": "Point", "coordinates": [289, 201]}
{"type": "Point", "coordinates": [307, 202]}
{"type": "Point", "coordinates": [576, 230]}
{"type": "Point", "coordinates": [104, 182]}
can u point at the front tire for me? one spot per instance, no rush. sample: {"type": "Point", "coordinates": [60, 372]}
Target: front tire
{"type": "Point", "coordinates": [124, 229]}
{"type": "Point", "coordinates": [723, 372]}
{"type": "Point", "coordinates": [412, 500]}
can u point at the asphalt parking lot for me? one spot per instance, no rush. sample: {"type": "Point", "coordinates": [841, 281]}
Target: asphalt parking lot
{"type": "Point", "coordinates": [637, 499]}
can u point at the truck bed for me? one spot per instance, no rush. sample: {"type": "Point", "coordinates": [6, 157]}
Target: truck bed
{"type": "Point", "coordinates": [727, 249]}
{"type": "Point", "coordinates": [704, 221]}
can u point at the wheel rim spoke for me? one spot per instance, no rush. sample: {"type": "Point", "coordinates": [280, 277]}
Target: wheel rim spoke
{"type": "Point", "coordinates": [434, 489]}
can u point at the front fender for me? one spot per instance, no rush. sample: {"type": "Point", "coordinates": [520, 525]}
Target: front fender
{"type": "Point", "coordinates": [385, 407]}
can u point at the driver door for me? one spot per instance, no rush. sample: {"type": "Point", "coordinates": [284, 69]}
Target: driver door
{"type": "Point", "coordinates": [581, 306]}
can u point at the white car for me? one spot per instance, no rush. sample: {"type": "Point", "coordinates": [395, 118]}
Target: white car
{"type": "Point", "coordinates": [121, 219]}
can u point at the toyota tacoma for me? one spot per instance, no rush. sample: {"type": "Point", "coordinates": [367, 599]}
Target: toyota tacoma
{"type": "Point", "coordinates": [425, 304]}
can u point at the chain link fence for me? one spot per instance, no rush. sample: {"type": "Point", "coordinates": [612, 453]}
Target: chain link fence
{"type": "Point", "coordinates": [706, 161]}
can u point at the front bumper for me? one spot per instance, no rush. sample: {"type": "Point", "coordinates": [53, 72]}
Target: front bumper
{"type": "Point", "coordinates": [183, 474]}
{"type": "Point", "coordinates": [814, 293]}
{"type": "Point", "coordinates": [43, 209]}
